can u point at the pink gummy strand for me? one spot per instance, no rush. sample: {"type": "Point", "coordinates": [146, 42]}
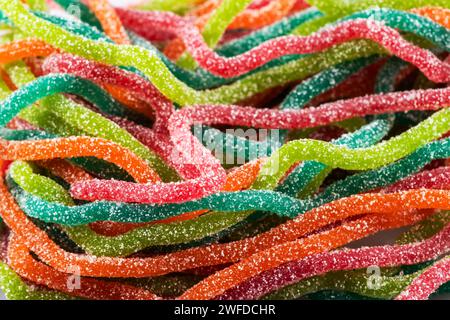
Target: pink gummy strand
{"type": "Point", "coordinates": [211, 181]}
{"type": "Point", "coordinates": [100, 73]}
{"type": "Point", "coordinates": [325, 114]}
{"type": "Point", "coordinates": [389, 38]}
{"type": "Point", "coordinates": [428, 282]}
{"type": "Point", "coordinates": [346, 259]}
{"type": "Point", "coordinates": [187, 149]}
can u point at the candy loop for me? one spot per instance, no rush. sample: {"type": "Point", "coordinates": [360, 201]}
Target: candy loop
{"type": "Point", "coordinates": [109, 20]}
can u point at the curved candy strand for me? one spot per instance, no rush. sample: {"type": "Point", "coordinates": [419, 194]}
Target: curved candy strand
{"type": "Point", "coordinates": [24, 176]}
{"type": "Point", "coordinates": [226, 16]}
{"type": "Point", "coordinates": [115, 246]}
{"type": "Point", "coordinates": [298, 178]}
{"type": "Point", "coordinates": [79, 147]}
{"type": "Point", "coordinates": [257, 37]}
{"type": "Point", "coordinates": [197, 80]}
{"type": "Point", "coordinates": [23, 263]}
{"type": "Point", "coordinates": [204, 77]}
{"type": "Point", "coordinates": [405, 22]}
{"type": "Point", "coordinates": [221, 19]}
{"type": "Point", "coordinates": [430, 31]}
{"type": "Point", "coordinates": [52, 84]}
{"type": "Point", "coordinates": [247, 200]}
{"type": "Point", "coordinates": [164, 108]}
{"type": "Point", "coordinates": [152, 235]}
{"type": "Point", "coordinates": [17, 50]}
{"type": "Point", "coordinates": [97, 72]}
{"type": "Point", "coordinates": [75, 232]}
{"type": "Point", "coordinates": [15, 289]}
{"type": "Point", "coordinates": [216, 176]}
{"type": "Point", "coordinates": [286, 156]}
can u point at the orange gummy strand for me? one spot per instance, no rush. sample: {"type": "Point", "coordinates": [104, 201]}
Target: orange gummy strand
{"type": "Point", "coordinates": [23, 263]}
{"type": "Point", "coordinates": [20, 49]}
{"type": "Point", "coordinates": [39, 242]}
{"type": "Point", "coordinates": [79, 147]}
{"type": "Point", "coordinates": [255, 19]}
{"type": "Point", "coordinates": [7, 80]}
{"type": "Point", "coordinates": [205, 8]}
{"type": "Point", "coordinates": [437, 14]}
{"type": "Point", "coordinates": [127, 98]}
{"type": "Point", "coordinates": [109, 20]}
{"type": "Point", "coordinates": [65, 170]}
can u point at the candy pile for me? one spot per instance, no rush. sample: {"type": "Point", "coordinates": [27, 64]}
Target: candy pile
{"type": "Point", "coordinates": [224, 149]}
